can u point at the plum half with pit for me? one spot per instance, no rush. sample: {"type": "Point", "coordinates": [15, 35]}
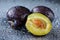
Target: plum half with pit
{"type": "Point", "coordinates": [38, 24]}
{"type": "Point", "coordinates": [17, 16]}
{"type": "Point", "coordinates": [44, 10]}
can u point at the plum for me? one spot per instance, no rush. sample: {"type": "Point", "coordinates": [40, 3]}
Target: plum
{"type": "Point", "coordinates": [38, 24]}
{"type": "Point", "coordinates": [44, 10]}
{"type": "Point", "coordinates": [17, 16]}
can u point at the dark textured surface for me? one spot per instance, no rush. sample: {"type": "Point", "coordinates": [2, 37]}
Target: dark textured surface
{"type": "Point", "coordinates": [7, 33]}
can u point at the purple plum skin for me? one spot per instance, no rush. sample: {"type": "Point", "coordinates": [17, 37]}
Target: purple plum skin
{"type": "Point", "coordinates": [18, 15]}
{"type": "Point", "coordinates": [44, 10]}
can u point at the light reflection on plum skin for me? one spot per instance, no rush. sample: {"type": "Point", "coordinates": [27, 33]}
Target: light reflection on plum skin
{"type": "Point", "coordinates": [44, 10]}
{"type": "Point", "coordinates": [18, 15]}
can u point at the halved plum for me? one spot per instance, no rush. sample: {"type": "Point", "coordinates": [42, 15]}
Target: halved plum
{"type": "Point", "coordinates": [38, 24]}
{"type": "Point", "coordinates": [44, 10]}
